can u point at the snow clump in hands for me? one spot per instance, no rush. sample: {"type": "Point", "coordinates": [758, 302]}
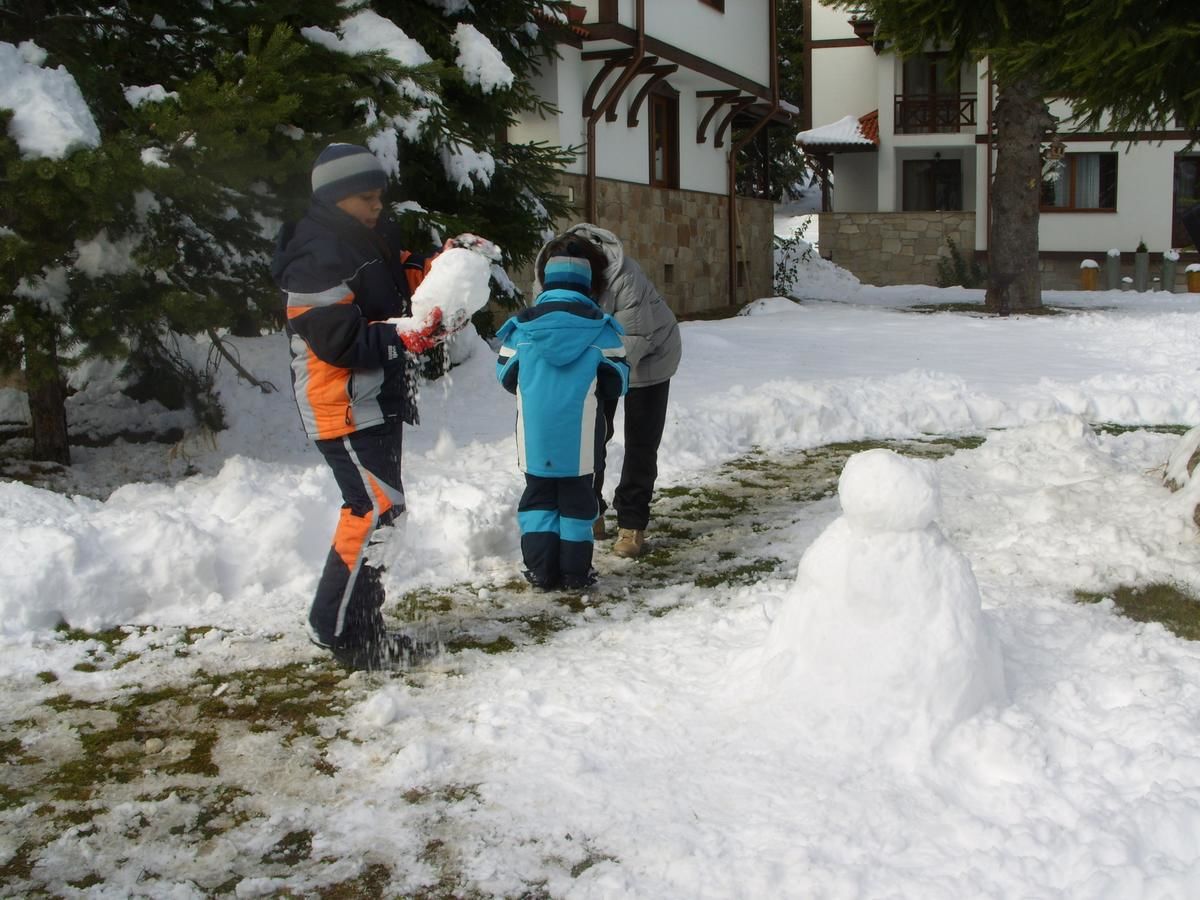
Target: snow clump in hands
{"type": "Point", "coordinates": [457, 284]}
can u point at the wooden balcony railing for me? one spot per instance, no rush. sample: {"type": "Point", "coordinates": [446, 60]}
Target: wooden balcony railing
{"type": "Point", "coordinates": [934, 113]}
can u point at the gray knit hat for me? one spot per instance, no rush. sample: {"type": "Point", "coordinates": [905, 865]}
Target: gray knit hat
{"type": "Point", "coordinates": [345, 169]}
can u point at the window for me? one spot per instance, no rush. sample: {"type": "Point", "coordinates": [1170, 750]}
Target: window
{"type": "Point", "coordinates": [931, 100]}
{"type": "Point", "coordinates": [1187, 195]}
{"type": "Point", "coordinates": [932, 184]}
{"type": "Point", "coordinates": [664, 139]}
{"type": "Point", "coordinates": [1081, 181]}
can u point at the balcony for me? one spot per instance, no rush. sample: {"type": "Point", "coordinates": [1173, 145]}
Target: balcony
{"type": "Point", "coordinates": [934, 113]}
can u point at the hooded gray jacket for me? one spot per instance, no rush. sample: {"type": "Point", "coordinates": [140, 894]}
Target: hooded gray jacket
{"type": "Point", "coordinates": [652, 343]}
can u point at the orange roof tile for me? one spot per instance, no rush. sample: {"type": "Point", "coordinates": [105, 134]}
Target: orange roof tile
{"type": "Point", "coordinates": [869, 125]}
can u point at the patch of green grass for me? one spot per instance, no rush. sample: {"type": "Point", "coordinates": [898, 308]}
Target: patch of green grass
{"type": "Point", "coordinates": [293, 698]}
{"type": "Point", "coordinates": [447, 793]}
{"type": "Point", "coordinates": [290, 699]}
{"type": "Point", "coordinates": [500, 644]}
{"type": "Point", "coordinates": [110, 638]}
{"type": "Point", "coordinates": [10, 798]}
{"type": "Point", "coordinates": [417, 605]}
{"type": "Point", "coordinates": [981, 310]}
{"type": "Point", "coordinates": [19, 866]}
{"type": "Point", "coordinates": [541, 625]}
{"type": "Point", "coordinates": [590, 860]}
{"type": "Point", "coordinates": [1175, 609]}
{"type": "Point", "coordinates": [217, 809]}
{"type": "Point", "coordinates": [370, 884]}
{"type": "Point", "coordinates": [1114, 428]}
{"type": "Point", "coordinates": [672, 491]}
{"type": "Point", "coordinates": [47, 677]}
{"type": "Point", "coordinates": [926, 308]}
{"type": "Point", "coordinates": [199, 760]}
{"type": "Point", "coordinates": [711, 499]}
{"type": "Point", "coordinates": [665, 528]}
{"type": "Point", "coordinates": [744, 574]}
{"type": "Point", "coordinates": [658, 556]}
{"type": "Point", "coordinates": [576, 603]}
{"type": "Point", "coordinates": [936, 448]}
{"type": "Point", "coordinates": [291, 849]}
{"type": "Point", "coordinates": [60, 703]}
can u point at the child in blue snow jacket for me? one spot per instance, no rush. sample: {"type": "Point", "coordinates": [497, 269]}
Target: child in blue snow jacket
{"type": "Point", "coordinates": [562, 357]}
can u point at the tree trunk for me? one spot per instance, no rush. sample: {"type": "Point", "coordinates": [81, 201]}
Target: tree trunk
{"type": "Point", "coordinates": [1022, 120]}
{"type": "Point", "coordinates": [47, 398]}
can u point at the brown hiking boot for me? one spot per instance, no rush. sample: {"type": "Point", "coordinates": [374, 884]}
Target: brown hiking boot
{"type": "Point", "coordinates": [630, 543]}
{"type": "Point", "coordinates": [599, 532]}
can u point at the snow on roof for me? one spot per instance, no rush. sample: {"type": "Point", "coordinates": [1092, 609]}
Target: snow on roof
{"type": "Point", "coordinates": [850, 131]}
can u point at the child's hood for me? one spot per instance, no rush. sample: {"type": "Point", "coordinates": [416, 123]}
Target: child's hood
{"type": "Point", "coordinates": [555, 334]}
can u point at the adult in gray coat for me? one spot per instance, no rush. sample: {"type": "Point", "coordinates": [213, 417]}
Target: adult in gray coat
{"type": "Point", "coordinates": [652, 348]}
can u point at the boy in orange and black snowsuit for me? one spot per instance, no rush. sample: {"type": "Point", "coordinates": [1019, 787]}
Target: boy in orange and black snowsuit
{"type": "Point", "coordinates": [344, 275]}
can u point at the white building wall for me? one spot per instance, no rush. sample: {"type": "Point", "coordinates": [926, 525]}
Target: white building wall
{"type": "Point", "coordinates": [702, 167]}
{"type": "Point", "coordinates": [737, 39]}
{"type": "Point", "coordinates": [1145, 192]}
{"type": "Point", "coordinates": [855, 179]}
{"type": "Point", "coordinates": [844, 83]}
{"type": "Point", "coordinates": [887, 197]}
{"type": "Point", "coordinates": [559, 81]}
{"type": "Point", "coordinates": [829, 24]}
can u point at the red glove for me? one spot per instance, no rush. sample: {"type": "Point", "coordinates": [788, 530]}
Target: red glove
{"type": "Point", "coordinates": [429, 335]}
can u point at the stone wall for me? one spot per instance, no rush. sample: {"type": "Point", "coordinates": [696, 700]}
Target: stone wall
{"type": "Point", "coordinates": [1061, 272]}
{"type": "Point", "coordinates": [904, 248]}
{"type": "Point", "coordinates": [681, 240]}
{"type": "Point", "coordinates": [894, 248]}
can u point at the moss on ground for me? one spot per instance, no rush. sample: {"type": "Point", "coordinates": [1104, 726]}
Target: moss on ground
{"type": "Point", "coordinates": [1174, 608]}
{"type": "Point", "coordinates": [166, 733]}
{"type": "Point", "coordinates": [1114, 428]}
{"type": "Point", "coordinates": [979, 309]}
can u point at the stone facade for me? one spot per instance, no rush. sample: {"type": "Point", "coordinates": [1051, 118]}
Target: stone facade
{"type": "Point", "coordinates": [681, 240]}
{"type": "Point", "coordinates": [894, 248]}
{"type": "Point", "coordinates": [1061, 272]}
{"type": "Point", "coordinates": [905, 248]}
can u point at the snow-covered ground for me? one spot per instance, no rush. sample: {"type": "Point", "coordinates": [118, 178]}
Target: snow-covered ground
{"type": "Point", "coordinates": [917, 709]}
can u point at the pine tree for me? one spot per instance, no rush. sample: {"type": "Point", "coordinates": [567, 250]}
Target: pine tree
{"type": "Point", "coordinates": [209, 117]}
{"type": "Point", "coordinates": [1126, 67]}
{"type": "Point", "coordinates": [1021, 119]}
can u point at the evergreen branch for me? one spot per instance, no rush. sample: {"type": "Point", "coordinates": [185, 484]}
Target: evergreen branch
{"type": "Point", "coordinates": [219, 344]}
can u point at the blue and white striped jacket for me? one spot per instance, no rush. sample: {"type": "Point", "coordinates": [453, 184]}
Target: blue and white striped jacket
{"type": "Point", "coordinates": [558, 357]}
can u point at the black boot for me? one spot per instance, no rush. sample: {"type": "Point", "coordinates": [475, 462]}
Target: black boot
{"type": "Point", "coordinates": [385, 651]}
{"type": "Point", "coordinates": [366, 644]}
